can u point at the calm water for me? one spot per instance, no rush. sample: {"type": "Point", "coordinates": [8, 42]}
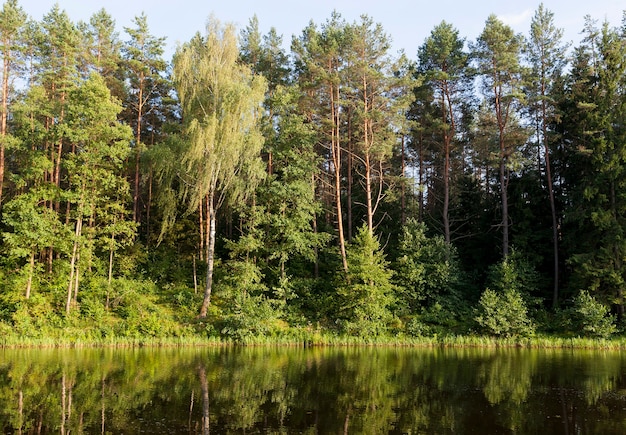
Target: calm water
{"type": "Point", "coordinates": [312, 391]}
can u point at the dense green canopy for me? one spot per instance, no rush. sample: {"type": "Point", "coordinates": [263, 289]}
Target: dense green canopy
{"type": "Point", "coordinates": [473, 186]}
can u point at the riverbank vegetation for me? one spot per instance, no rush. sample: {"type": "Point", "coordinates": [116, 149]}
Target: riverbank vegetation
{"type": "Point", "coordinates": [334, 192]}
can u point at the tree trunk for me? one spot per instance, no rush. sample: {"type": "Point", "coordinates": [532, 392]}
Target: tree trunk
{"type": "Point", "coordinates": [350, 177]}
{"type": "Point", "coordinates": [501, 119]}
{"type": "Point", "coordinates": [110, 279]}
{"type": "Point", "coordinates": [504, 198]}
{"type": "Point", "coordinates": [73, 271]}
{"type": "Point", "coordinates": [210, 251]}
{"type": "Point", "coordinates": [149, 206]}
{"type": "Point", "coordinates": [368, 194]}
{"type": "Point", "coordinates": [316, 267]}
{"type": "Point", "coordinates": [195, 276]}
{"type": "Point", "coordinates": [447, 114]}
{"type": "Point", "coordinates": [3, 123]}
{"type": "Point", "coordinates": [204, 386]}
{"type": "Point", "coordinates": [420, 212]}
{"type": "Point", "coordinates": [555, 227]}
{"type": "Point", "coordinates": [138, 149]}
{"type": "Point", "coordinates": [336, 156]}
{"type": "Point", "coordinates": [403, 184]}
{"type": "Point", "coordinates": [31, 270]}
{"type": "Point", "coordinates": [446, 191]}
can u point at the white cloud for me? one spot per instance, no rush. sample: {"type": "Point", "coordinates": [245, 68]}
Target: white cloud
{"type": "Point", "coordinates": [515, 20]}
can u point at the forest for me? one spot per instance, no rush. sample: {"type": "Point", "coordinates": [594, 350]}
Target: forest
{"type": "Point", "coordinates": [248, 191]}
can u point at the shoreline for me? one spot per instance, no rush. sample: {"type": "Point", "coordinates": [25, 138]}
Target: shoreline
{"type": "Point", "coordinates": [451, 341]}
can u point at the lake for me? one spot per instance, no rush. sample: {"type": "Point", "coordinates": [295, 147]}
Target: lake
{"type": "Point", "coordinates": [356, 390]}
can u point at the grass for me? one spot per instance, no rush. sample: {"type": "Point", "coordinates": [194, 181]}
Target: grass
{"type": "Point", "coordinates": [74, 336]}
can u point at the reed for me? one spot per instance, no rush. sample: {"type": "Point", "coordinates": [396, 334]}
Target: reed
{"type": "Point", "coordinates": [297, 337]}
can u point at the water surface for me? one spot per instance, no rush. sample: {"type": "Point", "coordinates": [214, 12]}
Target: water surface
{"type": "Point", "coordinates": [312, 391]}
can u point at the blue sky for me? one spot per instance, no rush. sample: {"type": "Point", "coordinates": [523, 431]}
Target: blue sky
{"type": "Point", "coordinates": [408, 22]}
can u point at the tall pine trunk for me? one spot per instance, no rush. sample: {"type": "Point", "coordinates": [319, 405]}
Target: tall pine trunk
{"type": "Point", "coordinates": [3, 123]}
{"type": "Point", "coordinates": [138, 149]}
{"type": "Point", "coordinates": [555, 228]}
{"type": "Point", "coordinates": [336, 156]}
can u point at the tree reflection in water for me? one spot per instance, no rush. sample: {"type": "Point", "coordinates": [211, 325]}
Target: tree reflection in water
{"type": "Point", "coordinates": [319, 390]}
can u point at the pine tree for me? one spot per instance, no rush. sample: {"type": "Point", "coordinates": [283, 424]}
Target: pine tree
{"type": "Point", "coordinates": [546, 54]}
{"type": "Point", "coordinates": [319, 62]}
{"type": "Point", "coordinates": [444, 67]}
{"type": "Point", "coordinates": [497, 52]}
{"type": "Point", "coordinates": [12, 22]}
{"type": "Point", "coordinates": [378, 101]}
{"type": "Point", "coordinates": [144, 68]}
{"type": "Point", "coordinates": [593, 113]}
{"type": "Point", "coordinates": [103, 51]}
{"type": "Point", "coordinates": [366, 295]}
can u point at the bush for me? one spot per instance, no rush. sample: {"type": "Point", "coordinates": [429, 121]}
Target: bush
{"type": "Point", "coordinates": [416, 328]}
{"type": "Point", "coordinates": [503, 315]}
{"type": "Point", "coordinates": [367, 294]}
{"type": "Point", "coordinates": [426, 268]}
{"type": "Point", "coordinates": [591, 317]}
{"type": "Point", "coordinates": [250, 316]}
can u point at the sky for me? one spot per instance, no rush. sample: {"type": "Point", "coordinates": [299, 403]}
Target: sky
{"type": "Point", "coordinates": [407, 22]}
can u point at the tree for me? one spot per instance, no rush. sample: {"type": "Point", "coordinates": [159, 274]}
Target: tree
{"type": "Point", "coordinates": [57, 72]}
{"type": "Point", "coordinates": [444, 67]}
{"type": "Point", "coordinates": [425, 268]}
{"type": "Point", "coordinates": [144, 66]}
{"type": "Point", "coordinates": [591, 317]}
{"type": "Point", "coordinates": [503, 314]}
{"type": "Point", "coordinates": [378, 101]}
{"type": "Point", "coordinates": [266, 56]}
{"type": "Point", "coordinates": [546, 55]}
{"type": "Point", "coordinates": [32, 228]}
{"type": "Point", "coordinates": [319, 62]}
{"type": "Point", "coordinates": [103, 52]}
{"type": "Point", "coordinates": [593, 113]}
{"type": "Point", "coordinates": [366, 295]}
{"type": "Point", "coordinates": [12, 21]}
{"type": "Point", "coordinates": [97, 189]}
{"type": "Point", "coordinates": [285, 198]}
{"type": "Point", "coordinates": [220, 100]}
{"type": "Point", "coordinates": [497, 52]}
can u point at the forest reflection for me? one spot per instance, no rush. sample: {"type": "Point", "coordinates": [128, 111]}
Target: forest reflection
{"type": "Point", "coordinates": [313, 390]}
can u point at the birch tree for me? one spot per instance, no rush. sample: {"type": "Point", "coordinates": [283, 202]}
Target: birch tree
{"type": "Point", "coordinates": [221, 101]}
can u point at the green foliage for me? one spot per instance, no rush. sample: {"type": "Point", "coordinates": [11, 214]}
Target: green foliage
{"type": "Point", "coordinates": [367, 293]}
{"type": "Point", "coordinates": [425, 269]}
{"type": "Point", "coordinates": [283, 151]}
{"type": "Point", "coordinates": [32, 227]}
{"type": "Point", "coordinates": [591, 317]}
{"type": "Point", "coordinates": [503, 307]}
{"type": "Point", "coordinates": [247, 310]}
{"type": "Point", "coordinates": [503, 314]}
{"type": "Point", "coordinates": [514, 273]}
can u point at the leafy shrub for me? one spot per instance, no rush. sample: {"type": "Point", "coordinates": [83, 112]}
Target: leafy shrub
{"type": "Point", "coordinates": [92, 308]}
{"type": "Point", "coordinates": [367, 293]}
{"type": "Point", "coordinates": [416, 328]}
{"type": "Point", "coordinates": [251, 316]}
{"type": "Point", "coordinates": [592, 317]}
{"type": "Point", "coordinates": [426, 267]}
{"type": "Point", "coordinates": [514, 273]}
{"type": "Point", "coordinates": [503, 314]}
